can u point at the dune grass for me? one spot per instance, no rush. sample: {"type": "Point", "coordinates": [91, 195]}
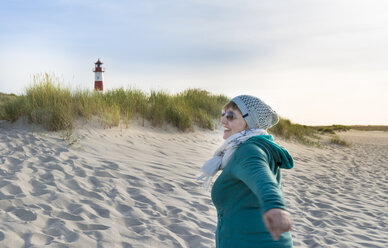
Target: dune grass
{"type": "Point", "coordinates": [332, 129]}
{"type": "Point", "coordinates": [6, 97]}
{"type": "Point", "coordinates": [338, 141]}
{"type": "Point", "coordinates": [288, 130]}
{"type": "Point", "coordinates": [4, 100]}
{"type": "Point", "coordinates": [369, 127]}
{"type": "Point", "coordinates": [309, 135]}
{"type": "Point", "coordinates": [55, 107]}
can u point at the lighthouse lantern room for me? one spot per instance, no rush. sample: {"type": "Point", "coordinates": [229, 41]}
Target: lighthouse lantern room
{"type": "Point", "coordinates": [98, 76]}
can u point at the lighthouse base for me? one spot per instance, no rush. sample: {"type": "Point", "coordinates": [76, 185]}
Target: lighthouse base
{"type": "Point", "coordinates": [98, 85]}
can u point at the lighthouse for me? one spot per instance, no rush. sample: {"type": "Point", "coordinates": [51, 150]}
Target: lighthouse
{"type": "Point", "coordinates": [98, 76]}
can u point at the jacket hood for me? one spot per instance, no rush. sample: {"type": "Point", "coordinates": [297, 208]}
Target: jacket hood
{"type": "Point", "coordinates": [280, 154]}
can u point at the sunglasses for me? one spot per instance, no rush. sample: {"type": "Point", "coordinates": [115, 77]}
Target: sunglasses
{"type": "Point", "coordinates": [230, 115]}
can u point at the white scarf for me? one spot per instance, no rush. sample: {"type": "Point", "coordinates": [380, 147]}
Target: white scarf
{"type": "Point", "coordinates": [224, 153]}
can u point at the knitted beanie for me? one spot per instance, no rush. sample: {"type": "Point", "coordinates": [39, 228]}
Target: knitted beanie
{"type": "Point", "coordinates": [257, 113]}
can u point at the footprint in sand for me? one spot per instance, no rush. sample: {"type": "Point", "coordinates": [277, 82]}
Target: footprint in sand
{"type": "Point", "coordinates": [73, 185]}
{"type": "Point", "coordinates": [24, 214]}
{"type": "Point", "coordinates": [54, 227]}
{"type": "Point", "coordinates": [124, 209]}
{"type": "Point", "coordinates": [131, 222]}
{"type": "Point", "coordinates": [79, 172]}
{"type": "Point", "coordinates": [32, 239]}
{"type": "Point", "coordinates": [109, 165]}
{"type": "Point", "coordinates": [134, 181]}
{"type": "Point", "coordinates": [92, 227]}
{"type": "Point", "coordinates": [71, 237]}
{"type": "Point", "coordinates": [133, 191]}
{"type": "Point", "coordinates": [102, 212]}
{"type": "Point", "coordinates": [68, 216]}
{"type": "Point", "coordinates": [100, 173]}
{"type": "Point", "coordinates": [173, 211]}
{"type": "Point", "coordinates": [163, 187]}
{"type": "Point", "coordinates": [45, 207]}
{"type": "Point", "coordinates": [13, 189]}
{"type": "Point", "coordinates": [96, 183]}
{"type": "Point", "coordinates": [38, 188]}
{"type": "Point", "coordinates": [74, 208]}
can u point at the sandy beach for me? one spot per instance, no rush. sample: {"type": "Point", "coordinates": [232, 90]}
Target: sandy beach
{"type": "Point", "coordinates": [136, 187]}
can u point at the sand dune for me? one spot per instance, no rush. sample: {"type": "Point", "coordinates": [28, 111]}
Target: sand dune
{"type": "Point", "coordinates": [137, 187]}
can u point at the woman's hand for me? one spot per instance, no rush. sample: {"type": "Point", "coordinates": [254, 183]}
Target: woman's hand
{"type": "Point", "coordinates": [277, 222]}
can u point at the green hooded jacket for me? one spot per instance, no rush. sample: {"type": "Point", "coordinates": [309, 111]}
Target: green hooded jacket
{"type": "Point", "coordinates": [249, 185]}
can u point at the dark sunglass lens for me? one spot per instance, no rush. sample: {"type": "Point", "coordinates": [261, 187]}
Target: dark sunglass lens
{"type": "Point", "coordinates": [229, 116]}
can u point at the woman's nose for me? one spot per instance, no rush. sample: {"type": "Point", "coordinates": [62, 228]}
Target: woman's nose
{"type": "Point", "coordinates": [223, 120]}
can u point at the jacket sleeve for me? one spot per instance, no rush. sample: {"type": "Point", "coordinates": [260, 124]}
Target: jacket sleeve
{"type": "Point", "coordinates": [252, 168]}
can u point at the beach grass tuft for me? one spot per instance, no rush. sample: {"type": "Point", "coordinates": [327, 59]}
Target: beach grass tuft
{"type": "Point", "coordinates": [338, 141]}
{"type": "Point", "coordinates": [332, 129]}
{"type": "Point", "coordinates": [49, 104]}
{"type": "Point", "coordinates": [12, 108]}
{"type": "Point", "coordinates": [288, 130]}
{"type": "Point", "coordinates": [309, 135]}
{"type": "Point", "coordinates": [4, 98]}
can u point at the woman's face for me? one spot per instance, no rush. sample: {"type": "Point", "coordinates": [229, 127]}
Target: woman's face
{"type": "Point", "coordinates": [232, 121]}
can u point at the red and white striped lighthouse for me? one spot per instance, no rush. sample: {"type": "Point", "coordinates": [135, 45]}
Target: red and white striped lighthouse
{"type": "Point", "coordinates": [98, 76]}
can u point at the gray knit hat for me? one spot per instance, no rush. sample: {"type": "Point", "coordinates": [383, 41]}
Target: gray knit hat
{"type": "Point", "coordinates": [257, 114]}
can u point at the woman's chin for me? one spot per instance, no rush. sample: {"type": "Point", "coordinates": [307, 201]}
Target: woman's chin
{"type": "Point", "coordinates": [227, 134]}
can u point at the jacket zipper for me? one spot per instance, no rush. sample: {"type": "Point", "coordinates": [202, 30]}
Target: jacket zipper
{"type": "Point", "coordinates": [219, 229]}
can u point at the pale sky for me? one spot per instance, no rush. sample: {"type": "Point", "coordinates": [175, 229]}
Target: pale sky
{"type": "Point", "coordinates": [316, 62]}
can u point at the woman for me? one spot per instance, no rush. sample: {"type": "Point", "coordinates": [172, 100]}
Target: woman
{"type": "Point", "coordinates": [248, 194]}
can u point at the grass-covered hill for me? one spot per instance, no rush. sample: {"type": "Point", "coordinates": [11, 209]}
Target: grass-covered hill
{"type": "Point", "coordinates": [6, 97]}
{"type": "Point", "coordinates": [56, 108]}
